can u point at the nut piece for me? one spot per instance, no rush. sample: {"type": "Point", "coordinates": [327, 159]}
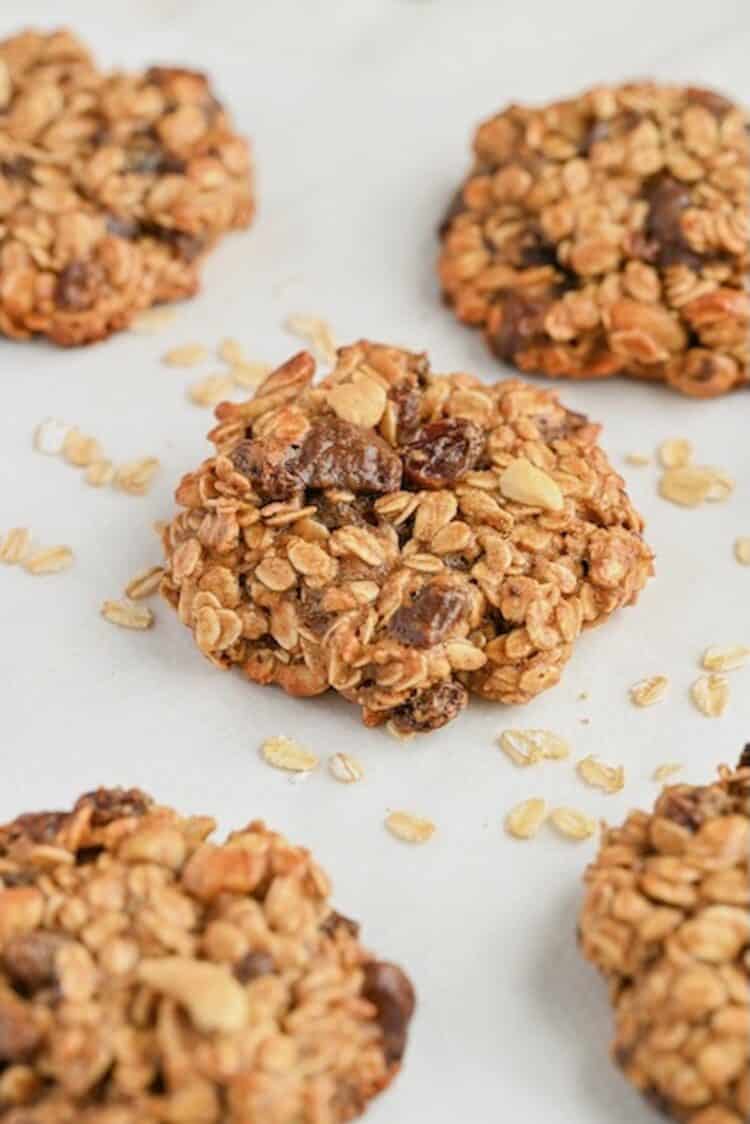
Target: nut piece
{"type": "Point", "coordinates": [145, 583]}
{"type": "Point", "coordinates": [49, 436]}
{"type": "Point", "coordinates": [127, 616]}
{"type": "Point", "coordinates": [725, 659]}
{"type": "Point", "coordinates": [212, 997]}
{"type": "Point", "coordinates": [710, 694]}
{"type": "Point", "coordinates": [345, 768]}
{"type": "Point", "coordinates": [528, 747]}
{"type": "Point", "coordinates": [188, 355]}
{"type": "Point", "coordinates": [675, 453]}
{"type": "Point", "coordinates": [609, 778]}
{"type": "Point", "coordinates": [647, 692]}
{"type": "Point", "coordinates": [15, 545]}
{"type": "Point", "coordinates": [51, 560]}
{"type": "Point", "coordinates": [742, 551]}
{"type": "Point", "coordinates": [410, 828]}
{"type": "Point", "coordinates": [524, 821]}
{"type": "Point", "coordinates": [285, 753]}
{"type": "Point", "coordinates": [572, 823]}
{"type": "Point", "coordinates": [524, 483]}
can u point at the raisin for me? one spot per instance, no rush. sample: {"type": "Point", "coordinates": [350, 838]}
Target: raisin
{"type": "Point", "coordinates": [391, 993]}
{"type": "Point", "coordinates": [17, 168]}
{"type": "Point", "coordinates": [668, 198]}
{"type": "Point", "coordinates": [407, 400]}
{"type": "Point", "coordinates": [534, 250]}
{"type": "Point", "coordinates": [553, 428]}
{"type": "Point", "coordinates": [441, 452]}
{"type": "Point", "coordinates": [334, 512]}
{"type": "Point", "coordinates": [429, 618]}
{"type": "Point", "coordinates": [188, 247]}
{"type": "Point", "coordinates": [253, 966]}
{"type": "Point", "coordinates": [431, 708]}
{"type": "Point", "coordinates": [336, 921]}
{"type": "Point", "coordinates": [337, 454]}
{"type": "Point", "coordinates": [77, 285]}
{"type": "Point", "coordinates": [110, 804]}
{"type": "Point", "coordinates": [270, 466]}
{"type": "Point", "coordinates": [521, 326]}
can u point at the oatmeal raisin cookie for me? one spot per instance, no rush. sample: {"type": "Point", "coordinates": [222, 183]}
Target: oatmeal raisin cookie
{"type": "Point", "coordinates": [148, 975]}
{"type": "Point", "coordinates": [667, 920]}
{"type": "Point", "coordinates": [402, 537]}
{"type": "Point", "coordinates": [609, 234]}
{"type": "Point", "coordinates": [113, 187]}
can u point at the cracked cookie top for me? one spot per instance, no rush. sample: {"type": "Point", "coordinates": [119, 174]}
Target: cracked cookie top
{"type": "Point", "coordinates": [148, 974]}
{"type": "Point", "coordinates": [667, 919]}
{"type": "Point", "coordinates": [112, 187]}
{"type": "Point", "coordinates": [402, 537]}
{"type": "Point", "coordinates": [609, 234]}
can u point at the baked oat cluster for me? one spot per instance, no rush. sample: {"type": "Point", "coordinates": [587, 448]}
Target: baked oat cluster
{"type": "Point", "coordinates": [402, 537]}
{"type": "Point", "coordinates": [609, 234]}
{"type": "Point", "coordinates": [667, 920]}
{"type": "Point", "coordinates": [149, 976]}
{"type": "Point", "coordinates": [113, 187]}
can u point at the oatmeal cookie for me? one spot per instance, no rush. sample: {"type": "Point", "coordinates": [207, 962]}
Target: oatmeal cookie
{"type": "Point", "coordinates": [609, 234]}
{"type": "Point", "coordinates": [667, 920]}
{"type": "Point", "coordinates": [400, 536]}
{"type": "Point", "coordinates": [112, 188]}
{"type": "Point", "coordinates": [148, 975]}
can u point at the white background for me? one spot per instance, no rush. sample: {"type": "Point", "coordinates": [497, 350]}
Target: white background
{"type": "Point", "coordinates": [360, 114]}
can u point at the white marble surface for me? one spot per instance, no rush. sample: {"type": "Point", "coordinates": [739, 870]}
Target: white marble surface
{"type": "Point", "coordinates": [360, 113]}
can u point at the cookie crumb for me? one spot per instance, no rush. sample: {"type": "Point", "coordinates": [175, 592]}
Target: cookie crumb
{"type": "Point", "coordinates": [524, 820]}
{"type": "Point", "coordinates": [410, 828]}
{"type": "Point", "coordinates": [286, 753]}
{"type": "Point", "coordinates": [649, 691]}
{"type": "Point", "coordinates": [710, 694]}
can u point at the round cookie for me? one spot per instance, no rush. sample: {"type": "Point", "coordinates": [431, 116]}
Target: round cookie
{"type": "Point", "coordinates": [113, 187]}
{"type": "Point", "coordinates": [608, 234]}
{"type": "Point", "coordinates": [667, 919]}
{"type": "Point", "coordinates": [402, 537]}
{"type": "Point", "coordinates": [148, 975]}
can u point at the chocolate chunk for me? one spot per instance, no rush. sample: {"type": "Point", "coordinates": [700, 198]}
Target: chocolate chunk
{"type": "Point", "coordinates": [430, 617]}
{"type": "Point", "coordinates": [668, 198]}
{"type": "Point", "coordinates": [77, 285]}
{"type": "Point", "coordinates": [441, 452]}
{"type": "Point", "coordinates": [431, 709]}
{"type": "Point", "coordinates": [336, 921]}
{"type": "Point", "coordinates": [112, 804]}
{"type": "Point", "coordinates": [29, 958]}
{"type": "Point", "coordinates": [522, 325]}
{"type": "Point", "coordinates": [253, 966]}
{"type": "Point", "coordinates": [456, 207]}
{"type": "Point", "coordinates": [337, 454]}
{"type": "Point", "coordinates": [19, 1034]}
{"type": "Point", "coordinates": [392, 995]}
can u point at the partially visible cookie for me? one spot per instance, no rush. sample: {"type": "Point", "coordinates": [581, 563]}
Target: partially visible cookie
{"type": "Point", "coordinates": [113, 187]}
{"type": "Point", "coordinates": [402, 537]}
{"type": "Point", "coordinates": [609, 234]}
{"type": "Point", "coordinates": [667, 920]}
{"type": "Point", "coordinates": [148, 975]}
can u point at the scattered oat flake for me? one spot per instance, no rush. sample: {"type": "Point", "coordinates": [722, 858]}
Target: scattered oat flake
{"type": "Point", "coordinates": [649, 691]}
{"type": "Point", "coordinates": [410, 828]}
{"type": "Point", "coordinates": [49, 436]}
{"type": "Point", "coordinates": [100, 473]}
{"type": "Point", "coordinates": [211, 390]}
{"type": "Point", "coordinates": [675, 453]}
{"type": "Point", "coordinates": [742, 551]}
{"type": "Point", "coordinates": [250, 374]}
{"type": "Point", "coordinates": [15, 546]}
{"type": "Point", "coordinates": [710, 694]}
{"type": "Point", "coordinates": [345, 768]}
{"type": "Point", "coordinates": [667, 770]}
{"type": "Point", "coordinates": [152, 319]}
{"type": "Point", "coordinates": [572, 823]}
{"type": "Point", "coordinates": [692, 485]}
{"type": "Point", "coordinates": [722, 486]}
{"type": "Point", "coordinates": [145, 583]}
{"type": "Point", "coordinates": [188, 355]}
{"type": "Point", "coordinates": [725, 659]}
{"type": "Point", "coordinates": [135, 477]}
{"type": "Point", "coordinates": [609, 778]}
{"type": "Point", "coordinates": [285, 753]}
{"type": "Point", "coordinates": [316, 332]}
{"type": "Point", "coordinates": [126, 615]}
{"type": "Point", "coordinates": [528, 747]}
{"type": "Point", "coordinates": [230, 351]}
{"type": "Point", "coordinates": [399, 735]}
{"type": "Point", "coordinates": [638, 460]}
{"type": "Point", "coordinates": [50, 560]}
{"type": "Point", "coordinates": [79, 449]}
{"type": "Point", "coordinates": [524, 821]}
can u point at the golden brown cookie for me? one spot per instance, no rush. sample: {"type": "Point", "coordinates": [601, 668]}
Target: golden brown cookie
{"type": "Point", "coordinates": [609, 234]}
{"type": "Point", "coordinates": [402, 537]}
{"type": "Point", "coordinates": [113, 187]}
{"type": "Point", "coordinates": [667, 920]}
{"type": "Point", "coordinates": [148, 975]}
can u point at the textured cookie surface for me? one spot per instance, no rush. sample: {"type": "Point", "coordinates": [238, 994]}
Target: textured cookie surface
{"type": "Point", "coordinates": [667, 919]}
{"type": "Point", "coordinates": [609, 234]}
{"type": "Point", "coordinates": [112, 188]}
{"type": "Point", "coordinates": [402, 537]}
{"type": "Point", "coordinates": [150, 976]}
